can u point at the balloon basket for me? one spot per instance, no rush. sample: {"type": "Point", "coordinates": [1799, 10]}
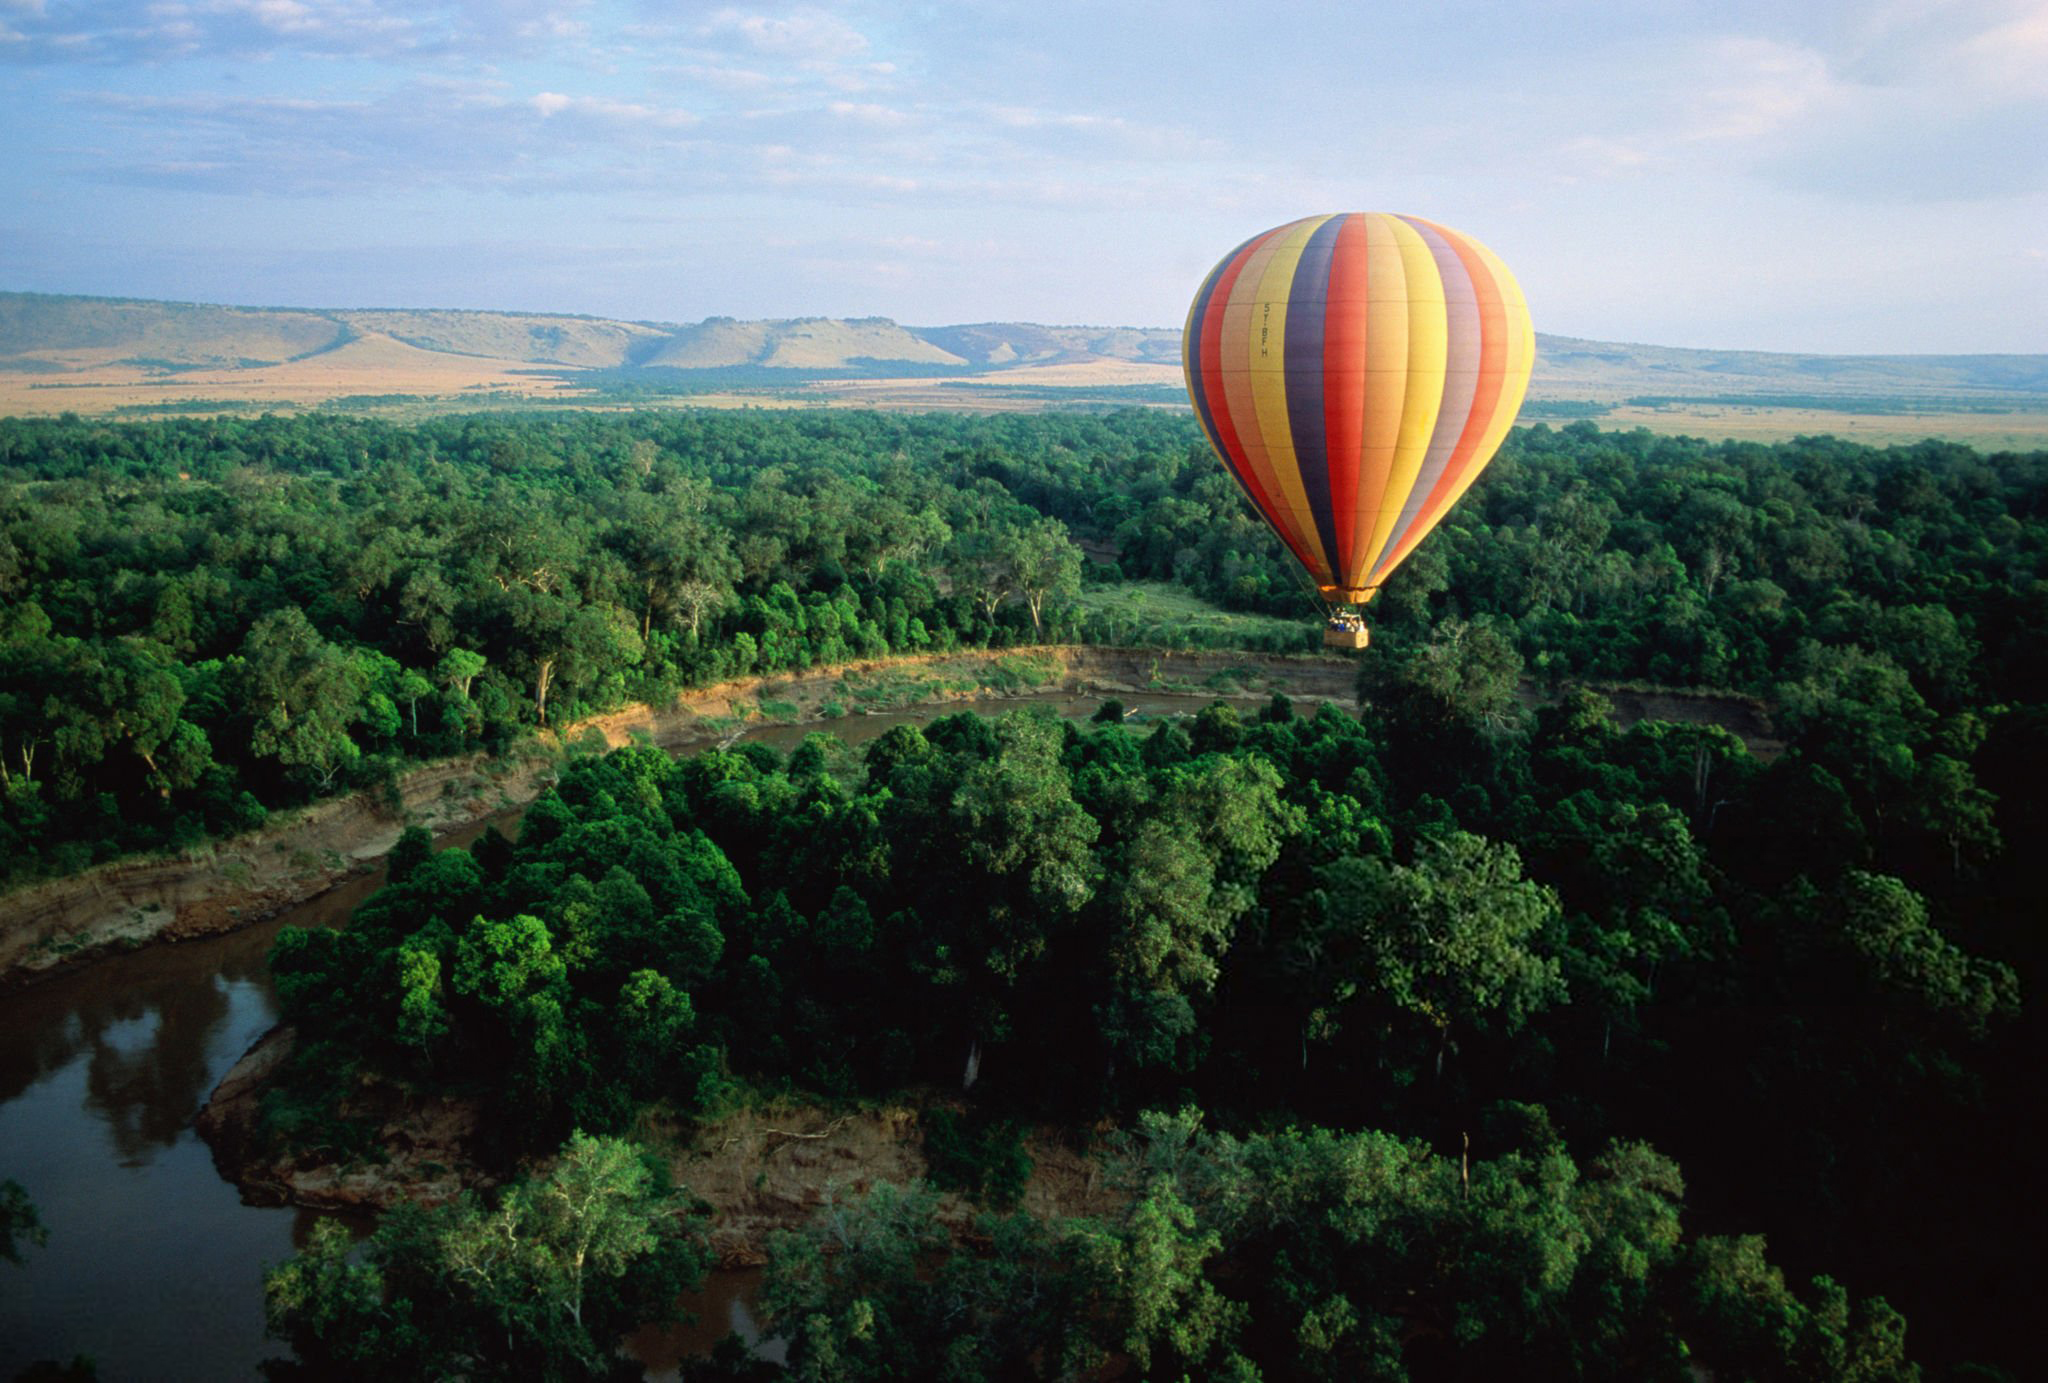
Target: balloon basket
{"type": "Point", "coordinates": [1345, 638]}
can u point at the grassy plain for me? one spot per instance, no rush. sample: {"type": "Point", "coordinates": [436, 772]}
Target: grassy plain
{"type": "Point", "coordinates": [1136, 607]}
{"type": "Point", "coordinates": [2021, 430]}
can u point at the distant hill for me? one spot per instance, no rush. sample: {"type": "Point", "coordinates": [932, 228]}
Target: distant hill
{"type": "Point", "coordinates": [117, 354]}
{"type": "Point", "coordinates": [807, 343]}
{"type": "Point", "coordinates": [42, 332]}
{"type": "Point", "coordinates": [1567, 367]}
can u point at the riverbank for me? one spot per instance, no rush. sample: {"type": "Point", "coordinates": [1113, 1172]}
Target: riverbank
{"type": "Point", "coordinates": [763, 1167]}
{"type": "Point", "coordinates": [119, 906]}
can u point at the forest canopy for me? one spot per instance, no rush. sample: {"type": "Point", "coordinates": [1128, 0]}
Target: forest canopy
{"type": "Point", "coordinates": [1312, 953]}
{"type": "Point", "coordinates": [203, 620]}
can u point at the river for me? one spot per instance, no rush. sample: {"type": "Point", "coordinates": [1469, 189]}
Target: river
{"type": "Point", "coordinates": [154, 1267]}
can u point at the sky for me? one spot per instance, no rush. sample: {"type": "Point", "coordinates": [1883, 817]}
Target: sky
{"type": "Point", "coordinates": [1798, 175]}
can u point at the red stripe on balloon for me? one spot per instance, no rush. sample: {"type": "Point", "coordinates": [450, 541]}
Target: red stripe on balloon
{"type": "Point", "coordinates": [1344, 382]}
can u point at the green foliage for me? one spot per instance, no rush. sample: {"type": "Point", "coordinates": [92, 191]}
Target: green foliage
{"type": "Point", "coordinates": [865, 1291]}
{"type": "Point", "coordinates": [1158, 614]}
{"type": "Point", "coordinates": [1321, 1255]}
{"type": "Point", "coordinates": [1799, 971]}
{"type": "Point", "coordinates": [1457, 938]}
{"type": "Point", "coordinates": [208, 618]}
{"type": "Point", "coordinates": [976, 1154]}
{"type": "Point", "coordinates": [539, 1284]}
{"type": "Point", "coordinates": [1150, 1268]}
{"type": "Point", "coordinates": [1253, 912]}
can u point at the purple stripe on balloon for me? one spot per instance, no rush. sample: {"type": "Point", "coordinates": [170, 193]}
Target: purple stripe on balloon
{"type": "Point", "coordinates": [1307, 299]}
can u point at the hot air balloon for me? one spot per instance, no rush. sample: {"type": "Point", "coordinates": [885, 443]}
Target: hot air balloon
{"type": "Point", "coordinates": [1355, 373]}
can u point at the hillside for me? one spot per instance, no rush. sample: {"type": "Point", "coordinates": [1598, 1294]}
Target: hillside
{"type": "Point", "coordinates": [1568, 367]}
{"type": "Point", "coordinates": [807, 343]}
{"type": "Point", "coordinates": [44, 334]}
{"type": "Point", "coordinates": [105, 355]}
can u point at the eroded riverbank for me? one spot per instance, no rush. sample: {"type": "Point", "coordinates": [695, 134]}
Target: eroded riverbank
{"type": "Point", "coordinates": [233, 883]}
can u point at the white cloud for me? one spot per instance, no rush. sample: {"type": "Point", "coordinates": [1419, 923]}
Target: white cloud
{"type": "Point", "coordinates": [2007, 59]}
{"type": "Point", "coordinates": [426, 134]}
{"type": "Point", "coordinates": [553, 103]}
{"type": "Point", "coordinates": [1593, 156]}
{"type": "Point", "coordinates": [869, 113]}
{"type": "Point", "coordinates": [153, 32]}
{"type": "Point", "coordinates": [739, 79]}
{"type": "Point", "coordinates": [1111, 137]}
{"type": "Point", "coordinates": [1754, 88]}
{"type": "Point", "coordinates": [808, 34]}
{"type": "Point", "coordinates": [1643, 141]}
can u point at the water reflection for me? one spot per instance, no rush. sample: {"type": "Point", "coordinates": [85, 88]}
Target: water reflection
{"type": "Point", "coordinates": [724, 1306]}
{"type": "Point", "coordinates": [148, 1094]}
{"type": "Point", "coordinates": [144, 1025]}
{"type": "Point", "coordinates": [154, 1266]}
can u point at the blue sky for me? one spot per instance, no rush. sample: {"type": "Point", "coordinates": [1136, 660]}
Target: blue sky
{"type": "Point", "coordinates": [1794, 175]}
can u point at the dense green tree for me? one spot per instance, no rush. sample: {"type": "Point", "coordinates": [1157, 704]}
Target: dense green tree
{"type": "Point", "coordinates": [1459, 939]}
{"type": "Point", "coordinates": [301, 693]}
{"type": "Point", "coordinates": [540, 1283]}
{"type": "Point", "coordinates": [1794, 958]}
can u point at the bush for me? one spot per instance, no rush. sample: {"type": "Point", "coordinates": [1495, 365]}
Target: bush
{"type": "Point", "coordinates": [976, 1155]}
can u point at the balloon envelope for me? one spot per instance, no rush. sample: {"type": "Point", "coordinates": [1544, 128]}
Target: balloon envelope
{"type": "Point", "coordinates": [1356, 373]}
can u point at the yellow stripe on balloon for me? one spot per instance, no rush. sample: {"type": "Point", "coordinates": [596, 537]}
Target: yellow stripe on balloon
{"type": "Point", "coordinates": [1386, 370]}
{"type": "Point", "coordinates": [1520, 357]}
{"type": "Point", "coordinates": [1420, 372]}
{"type": "Point", "coordinates": [1234, 363]}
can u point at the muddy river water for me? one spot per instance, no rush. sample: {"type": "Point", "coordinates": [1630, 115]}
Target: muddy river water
{"type": "Point", "coordinates": [154, 1266]}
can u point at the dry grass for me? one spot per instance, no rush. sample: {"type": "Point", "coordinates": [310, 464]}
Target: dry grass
{"type": "Point", "coordinates": [379, 374]}
{"type": "Point", "coordinates": [2020, 431]}
{"type": "Point", "coordinates": [369, 365]}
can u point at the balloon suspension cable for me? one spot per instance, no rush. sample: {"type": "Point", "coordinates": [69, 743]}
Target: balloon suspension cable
{"type": "Point", "coordinates": [1310, 591]}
